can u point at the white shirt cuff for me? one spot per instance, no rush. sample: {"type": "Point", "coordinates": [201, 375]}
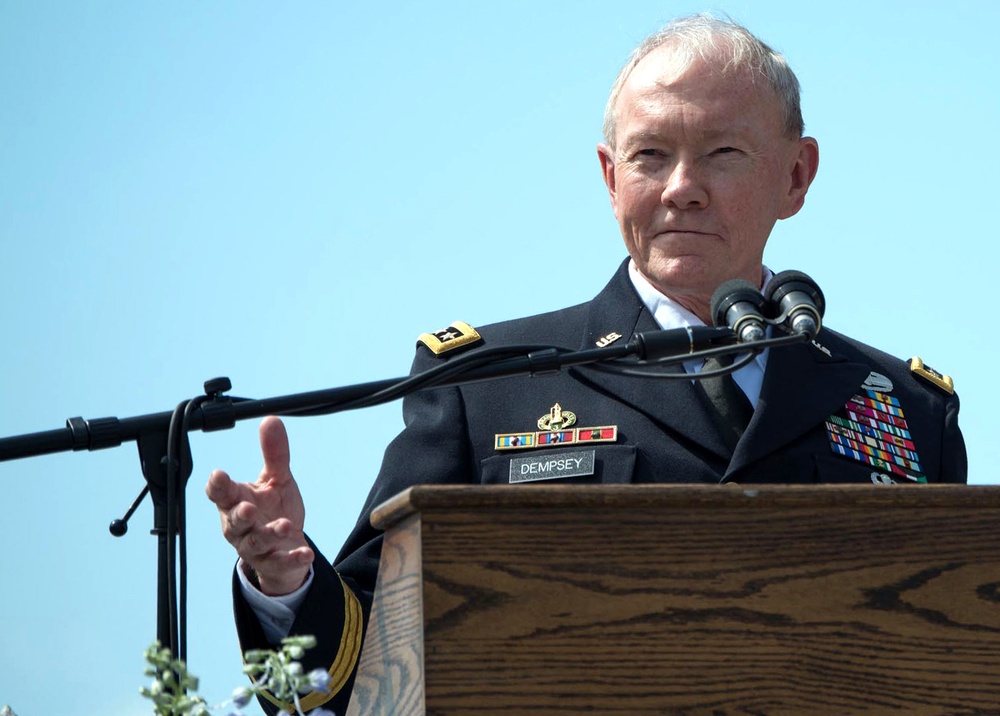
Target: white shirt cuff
{"type": "Point", "coordinates": [276, 614]}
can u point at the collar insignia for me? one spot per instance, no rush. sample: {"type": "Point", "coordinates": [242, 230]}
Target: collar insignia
{"type": "Point", "coordinates": [822, 348]}
{"type": "Point", "coordinates": [605, 341]}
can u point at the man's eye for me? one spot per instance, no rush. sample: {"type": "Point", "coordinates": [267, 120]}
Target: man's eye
{"type": "Point", "coordinates": [726, 150]}
{"type": "Point", "coordinates": [649, 152]}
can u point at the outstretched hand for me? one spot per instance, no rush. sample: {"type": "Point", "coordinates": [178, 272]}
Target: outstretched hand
{"type": "Point", "coordinates": [263, 520]}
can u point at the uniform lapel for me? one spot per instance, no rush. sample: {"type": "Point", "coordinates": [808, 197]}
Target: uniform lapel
{"type": "Point", "coordinates": [671, 403]}
{"type": "Point", "coordinates": [802, 386]}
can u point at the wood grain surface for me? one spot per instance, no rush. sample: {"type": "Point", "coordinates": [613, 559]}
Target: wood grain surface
{"type": "Point", "coordinates": [687, 600]}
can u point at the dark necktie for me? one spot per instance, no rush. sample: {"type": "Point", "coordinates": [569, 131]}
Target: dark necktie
{"type": "Point", "coordinates": [730, 408]}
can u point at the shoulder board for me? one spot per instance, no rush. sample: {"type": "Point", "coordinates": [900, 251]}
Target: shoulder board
{"type": "Point", "coordinates": [942, 381]}
{"type": "Point", "coordinates": [456, 335]}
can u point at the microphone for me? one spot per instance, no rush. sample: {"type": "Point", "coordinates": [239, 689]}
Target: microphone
{"type": "Point", "coordinates": [738, 305]}
{"type": "Point", "coordinates": [675, 342]}
{"type": "Point", "coordinates": [797, 301]}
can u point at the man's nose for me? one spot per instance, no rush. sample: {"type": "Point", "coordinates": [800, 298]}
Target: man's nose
{"type": "Point", "coordinates": [684, 188]}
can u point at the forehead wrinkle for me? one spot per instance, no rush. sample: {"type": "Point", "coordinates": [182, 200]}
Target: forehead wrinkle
{"type": "Point", "coordinates": [660, 75]}
{"type": "Point", "coordinates": [654, 111]}
{"type": "Point", "coordinates": [679, 129]}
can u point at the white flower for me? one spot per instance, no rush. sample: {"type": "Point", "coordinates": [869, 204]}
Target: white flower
{"type": "Point", "coordinates": [242, 697]}
{"type": "Point", "coordinates": [319, 680]}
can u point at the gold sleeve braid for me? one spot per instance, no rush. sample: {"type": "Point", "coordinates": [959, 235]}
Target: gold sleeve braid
{"type": "Point", "coordinates": [343, 663]}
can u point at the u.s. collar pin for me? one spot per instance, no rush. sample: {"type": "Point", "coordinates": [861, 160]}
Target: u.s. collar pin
{"type": "Point", "coordinates": [607, 340]}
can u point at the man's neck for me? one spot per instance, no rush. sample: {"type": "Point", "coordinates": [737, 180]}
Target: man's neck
{"type": "Point", "coordinates": [676, 311]}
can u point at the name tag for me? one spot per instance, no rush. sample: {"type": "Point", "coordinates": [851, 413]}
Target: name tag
{"type": "Point", "coordinates": [552, 466]}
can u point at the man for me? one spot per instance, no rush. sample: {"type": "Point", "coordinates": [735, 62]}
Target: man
{"type": "Point", "coordinates": [703, 153]}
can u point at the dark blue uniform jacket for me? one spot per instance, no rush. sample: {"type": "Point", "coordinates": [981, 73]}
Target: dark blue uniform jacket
{"type": "Point", "coordinates": [664, 434]}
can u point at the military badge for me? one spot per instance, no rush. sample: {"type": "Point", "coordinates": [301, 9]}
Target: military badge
{"type": "Point", "coordinates": [456, 335]}
{"type": "Point", "coordinates": [556, 419]}
{"type": "Point", "coordinates": [821, 348]}
{"type": "Point", "coordinates": [921, 370]}
{"type": "Point", "coordinates": [877, 382]}
{"type": "Point", "coordinates": [555, 429]}
{"type": "Point", "coordinates": [872, 429]}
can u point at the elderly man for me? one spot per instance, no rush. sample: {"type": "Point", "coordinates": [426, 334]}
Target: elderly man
{"type": "Point", "coordinates": [703, 154]}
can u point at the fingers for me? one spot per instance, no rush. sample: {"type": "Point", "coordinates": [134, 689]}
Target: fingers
{"type": "Point", "coordinates": [274, 447]}
{"type": "Point", "coordinates": [277, 553]}
{"type": "Point", "coordinates": [222, 490]}
{"type": "Point", "coordinates": [254, 540]}
{"type": "Point", "coordinates": [241, 522]}
{"type": "Point", "coordinates": [268, 551]}
{"type": "Point", "coordinates": [238, 516]}
{"type": "Point", "coordinates": [284, 572]}
{"type": "Point", "coordinates": [263, 521]}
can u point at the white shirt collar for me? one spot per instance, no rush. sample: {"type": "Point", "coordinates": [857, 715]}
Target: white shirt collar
{"type": "Point", "coordinates": [669, 314]}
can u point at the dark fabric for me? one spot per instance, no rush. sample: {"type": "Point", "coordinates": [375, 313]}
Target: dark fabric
{"type": "Point", "coordinates": [327, 611]}
{"type": "Point", "coordinates": [665, 432]}
{"type": "Point", "coordinates": [727, 402]}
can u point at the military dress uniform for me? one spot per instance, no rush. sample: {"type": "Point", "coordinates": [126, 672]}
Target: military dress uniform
{"type": "Point", "coordinates": [830, 411]}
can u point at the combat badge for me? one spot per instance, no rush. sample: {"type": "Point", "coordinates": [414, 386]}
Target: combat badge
{"type": "Point", "coordinates": [456, 335]}
{"type": "Point", "coordinates": [877, 382]}
{"type": "Point", "coordinates": [555, 429]}
{"type": "Point", "coordinates": [942, 381]}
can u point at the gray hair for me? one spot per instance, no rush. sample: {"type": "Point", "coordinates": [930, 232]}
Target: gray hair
{"type": "Point", "coordinates": [715, 40]}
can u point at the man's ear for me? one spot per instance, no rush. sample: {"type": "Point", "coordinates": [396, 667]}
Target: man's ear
{"type": "Point", "coordinates": [803, 171]}
{"type": "Point", "coordinates": [607, 157]}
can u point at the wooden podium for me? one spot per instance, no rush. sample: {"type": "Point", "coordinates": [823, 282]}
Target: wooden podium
{"type": "Point", "coordinates": [685, 600]}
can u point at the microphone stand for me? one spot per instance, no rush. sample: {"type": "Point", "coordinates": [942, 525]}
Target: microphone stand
{"type": "Point", "coordinates": [165, 451]}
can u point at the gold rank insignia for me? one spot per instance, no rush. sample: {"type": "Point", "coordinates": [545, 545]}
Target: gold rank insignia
{"type": "Point", "coordinates": [607, 340]}
{"type": "Point", "coordinates": [555, 430]}
{"type": "Point", "coordinates": [456, 335]}
{"type": "Point", "coordinates": [942, 381]}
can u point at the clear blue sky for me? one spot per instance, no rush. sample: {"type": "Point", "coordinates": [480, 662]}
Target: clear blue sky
{"type": "Point", "coordinates": [288, 194]}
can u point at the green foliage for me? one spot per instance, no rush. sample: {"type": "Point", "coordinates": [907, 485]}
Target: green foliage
{"type": "Point", "coordinates": [171, 684]}
{"type": "Point", "coordinates": [278, 672]}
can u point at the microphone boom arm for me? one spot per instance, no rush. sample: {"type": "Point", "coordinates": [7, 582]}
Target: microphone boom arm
{"type": "Point", "coordinates": [164, 447]}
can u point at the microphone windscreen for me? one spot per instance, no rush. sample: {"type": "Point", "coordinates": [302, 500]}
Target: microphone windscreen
{"type": "Point", "coordinates": [787, 281]}
{"type": "Point", "coordinates": [730, 292]}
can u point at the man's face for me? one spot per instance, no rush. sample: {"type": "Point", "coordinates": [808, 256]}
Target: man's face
{"type": "Point", "coordinates": [701, 171]}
